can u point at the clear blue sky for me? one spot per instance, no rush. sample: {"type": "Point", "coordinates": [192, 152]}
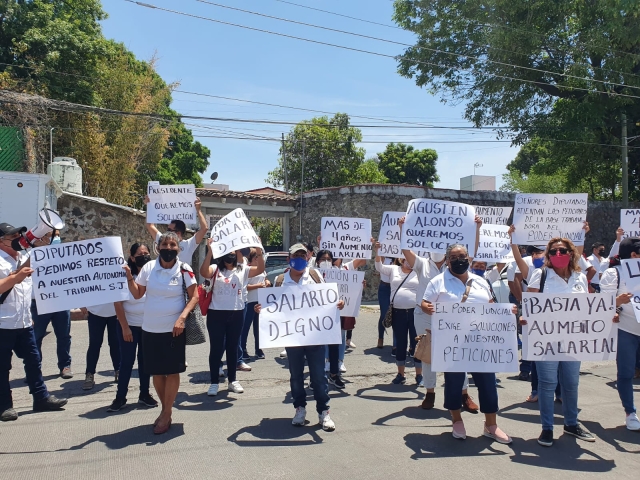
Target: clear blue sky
{"type": "Point", "coordinates": [228, 61]}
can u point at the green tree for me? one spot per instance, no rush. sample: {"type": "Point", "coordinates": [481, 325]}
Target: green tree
{"type": "Point", "coordinates": [401, 163]}
{"type": "Point", "coordinates": [369, 172]}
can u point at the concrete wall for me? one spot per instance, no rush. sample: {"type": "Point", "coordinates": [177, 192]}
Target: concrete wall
{"type": "Point", "coordinates": [369, 201]}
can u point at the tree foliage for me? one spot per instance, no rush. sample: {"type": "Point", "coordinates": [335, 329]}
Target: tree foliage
{"type": "Point", "coordinates": [558, 71]}
{"type": "Point", "coordinates": [401, 163]}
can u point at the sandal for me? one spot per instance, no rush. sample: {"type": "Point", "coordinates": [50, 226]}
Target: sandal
{"type": "Point", "coordinates": [158, 430]}
{"type": "Point", "coordinates": [532, 398]}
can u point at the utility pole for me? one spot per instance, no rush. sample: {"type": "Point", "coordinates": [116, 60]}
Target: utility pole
{"type": "Point", "coordinates": [284, 165]}
{"type": "Point", "coordinates": [625, 164]}
{"type": "Point", "coordinates": [304, 149]}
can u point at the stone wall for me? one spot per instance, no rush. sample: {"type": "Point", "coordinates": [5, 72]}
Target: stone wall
{"type": "Point", "coordinates": [369, 201]}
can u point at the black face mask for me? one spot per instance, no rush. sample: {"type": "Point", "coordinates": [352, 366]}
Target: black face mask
{"type": "Point", "coordinates": [141, 260]}
{"type": "Point", "coordinates": [459, 266]}
{"type": "Point", "coordinates": [168, 255]}
{"type": "Point", "coordinates": [601, 253]}
{"type": "Point", "coordinates": [229, 258]}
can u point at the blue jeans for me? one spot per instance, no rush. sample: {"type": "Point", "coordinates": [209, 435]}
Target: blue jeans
{"type": "Point", "coordinates": [487, 391]}
{"type": "Point", "coordinates": [250, 318]}
{"type": "Point", "coordinates": [22, 341]}
{"type": "Point", "coordinates": [127, 359]}
{"type": "Point", "coordinates": [404, 332]}
{"type": "Point", "coordinates": [534, 382]}
{"type": "Point", "coordinates": [335, 354]}
{"type": "Point", "coordinates": [61, 322]}
{"type": "Point", "coordinates": [628, 348]}
{"type": "Point", "coordinates": [547, 382]}
{"type": "Point", "coordinates": [384, 300]}
{"type": "Point", "coordinates": [315, 358]}
{"type": "Point", "coordinates": [96, 336]}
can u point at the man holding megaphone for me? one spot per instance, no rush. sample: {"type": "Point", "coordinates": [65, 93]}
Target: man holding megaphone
{"type": "Point", "coordinates": [16, 327]}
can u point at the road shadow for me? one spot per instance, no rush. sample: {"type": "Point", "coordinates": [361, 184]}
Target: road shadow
{"type": "Point", "coordinates": [615, 436]}
{"type": "Point", "coordinates": [284, 362]}
{"type": "Point", "coordinates": [416, 413]}
{"type": "Point", "coordinates": [101, 412]}
{"type": "Point", "coordinates": [384, 354]}
{"type": "Point", "coordinates": [532, 412]}
{"type": "Point", "coordinates": [201, 402]}
{"type": "Point", "coordinates": [566, 454]}
{"type": "Point", "coordinates": [444, 445]}
{"type": "Point", "coordinates": [395, 392]}
{"type": "Point", "coordinates": [74, 387]}
{"type": "Point", "coordinates": [203, 377]}
{"type": "Point", "coordinates": [277, 432]}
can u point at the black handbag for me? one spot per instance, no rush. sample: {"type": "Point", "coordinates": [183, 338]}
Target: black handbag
{"type": "Point", "coordinates": [388, 318]}
{"type": "Point", "coordinates": [194, 326]}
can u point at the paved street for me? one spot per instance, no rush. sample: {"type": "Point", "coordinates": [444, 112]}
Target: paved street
{"type": "Point", "coordinates": [381, 431]}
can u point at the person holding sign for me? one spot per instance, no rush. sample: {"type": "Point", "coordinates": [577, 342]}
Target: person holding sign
{"type": "Point", "coordinates": [225, 317]}
{"type": "Point", "coordinates": [250, 316]}
{"type": "Point", "coordinates": [187, 247]}
{"type": "Point", "coordinates": [628, 329]}
{"type": "Point", "coordinates": [601, 261]}
{"type": "Point", "coordinates": [301, 274]}
{"type": "Point", "coordinates": [559, 274]}
{"type": "Point", "coordinates": [457, 285]}
{"type": "Point", "coordinates": [164, 281]}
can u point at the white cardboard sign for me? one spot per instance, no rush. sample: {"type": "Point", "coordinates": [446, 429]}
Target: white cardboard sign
{"type": "Point", "coordinates": [630, 222]}
{"type": "Point", "coordinates": [79, 274]}
{"type": "Point", "coordinates": [233, 232]}
{"type": "Point", "coordinates": [474, 337]}
{"type": "Point", "coordinates": [630, 273]}
{"type": "Point", "coordinates": [495, 244]}
{"type": "Point", "coordinates": [299, 315]}
{"type": "Point", "coordinates": [569, 327]}
{"type": "Point", "coordinates": [540, 217]}
{"type": "Point", "coordinates": [346, 237]}
{"type": "Point", "coordinates": [389, 237]}
{"type": "Point", "coordinates": [433, 225]}
{"type": "Point", "coordinates": [171, 202]}
{"type": "Point", "coordinates": [349, 286]}
{"type": "Point", "coordinates": [494, 215]}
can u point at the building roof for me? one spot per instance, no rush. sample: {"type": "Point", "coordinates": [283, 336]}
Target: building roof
{"type": "Point", "coordinates": [205, 193]}
{"type": "Point", "coordinates": [268, 190]}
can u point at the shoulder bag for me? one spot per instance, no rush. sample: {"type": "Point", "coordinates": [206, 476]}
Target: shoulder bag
{"type": "Point", "coordinates": [194, 327]}
{"type": "Point", "coordinates": [388, 318]}
{"type": "Point", "coordinates": [205, 293]}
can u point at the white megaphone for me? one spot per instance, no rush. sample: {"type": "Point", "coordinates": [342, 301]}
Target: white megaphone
{"type": "Point", "coordinates": [48, 220]}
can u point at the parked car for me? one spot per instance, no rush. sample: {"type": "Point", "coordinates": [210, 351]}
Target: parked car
{"type": "Point", "coordinates": [275, 260]}
{"type": "Point", "coordinates": [271, 276]}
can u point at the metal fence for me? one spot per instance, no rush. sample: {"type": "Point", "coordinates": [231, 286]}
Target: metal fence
{"type": "Point", "coordinates": [11, 149]}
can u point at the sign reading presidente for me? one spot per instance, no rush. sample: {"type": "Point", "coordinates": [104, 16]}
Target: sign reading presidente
{"type": "Point", "coordinates": [479, 337]}
{"type": "Point", "coordinates": [433, 225]}
{"type": "Point", "coordinates": [494, 215]}
{"type": "Point", "coordinates": [233, 232]}
{"type": "Point", "coordinates": [540, 217]}
{"type": "Point", "coordinates": [79, 274]}
{"type": "Point", "coordinates": [569, 327]}
{"type": "Point", "coordinates": [171, 202]}
{"type": "Point", "coordinates": [346, 237]}
{"type": "Point", "coordinates": [294, 315]}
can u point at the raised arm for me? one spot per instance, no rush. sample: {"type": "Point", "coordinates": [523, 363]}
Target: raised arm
{"type": "Point", "coordinates": [206, 270]}
{"type": "Point", "coordinates": [137, 291]}
{"type": "Point", "coordinates": [259, 268]}
{"type": "Point", "coordinates": [522, 265]}
{"type": "Point", "coordinates": [580, 248]}
{"type": "Point", "coordinates": [409, 255]}
{"type": "Point", "coordinates": [478, 221]}
{"type": "Point", "coordinates": [200, 234]}
{"type": "Point", "coordinates": [615, 248]}
{"type": "Point", "coordinates": [151, 227]}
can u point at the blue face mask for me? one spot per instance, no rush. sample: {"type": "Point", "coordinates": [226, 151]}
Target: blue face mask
{"type": "Point", "coordinates": [538, 262]}
{"type": "Point", "coordinates": [298, 263]}
{"type": "Point", "coordinates": [55, 240]}
{"type": "Point", "coordinates": [478, 272]}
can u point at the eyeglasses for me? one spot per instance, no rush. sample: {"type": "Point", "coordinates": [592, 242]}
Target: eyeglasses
{"type": "Point", "coordinates": [171, 230]}
{"type": "Point", "coordinates": [562, 250]}
{"type": "Point", "coordinates": [454, 258]}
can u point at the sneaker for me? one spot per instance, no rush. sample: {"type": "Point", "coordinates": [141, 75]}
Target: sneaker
{"type": "Point", "coordinates": [420, 380]}
{"type": "Point", "coordinates": [8, 415]}
{"type": "Point", "coordinates": [221, 373]}
{"type": "Point", "coordinates": [243, 367]}
{"type": "Point", "coordinates": [147, 400]}
{"type": "Point", "coordinates": [283, 354]}
{"type": "Point", "coordinates": [429, 401]}
{"type": "Point", "coordinates": [468, 404]}
{"type": "Point", "coordinates": [235, 387]}
{"type": "Point", "coordinates": [117, 404]}
{"type": "Point", "coordinates": [351, 345]}
{"type": "Point", "coordinates": [399, 380]}
{"type": "Point", "coordinates": [525, 377]}
{"type": "Point", "coordinates": [546, 438]}
{"type": "Point", "coordinates": [116, 376]}
{"type": "Point", "coordinates": [326, 422]}
{"type": "Point", "coordinates": [260, 354]}
{"type": "Point", "coordinates": [88, 382]}
{"type": "Point", "coordinates": [246, 356]}
{"type": "Point", "coordinates": [393, 351]}
{"type": "Point", "coordinates": [66, 373]}
{"type": "Point", "coordinates": [459, 431]}
{"type": "Point", "coordinates": [498, 435]}
{"type": "Point", "coordinates": [49, 404]}
{"type": "Point", "coordinates": [300, 416]}
{"type": "Point", "coordinates": [327, 366]}
{"type": "Point", "coordinates": [336, 381]}
{"type": "Point", "coordinates": [632, 422]}
{"type": "Point", "coordinates": [342, 368]}
{"type": "Point", "coordinates": [213, 389]}
{"type": "Point", "coordinates": [580, 432]}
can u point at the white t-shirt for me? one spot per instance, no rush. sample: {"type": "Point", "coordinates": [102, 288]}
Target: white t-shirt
{"type": "Point", "coordinates": [105, 310]}
{"type": "Point", "coordinates": [609, 284]}
{"type": "Point", "coordinates": [600, 266]}
{"type": "Point", "coordinates": [15, 312]}
{"type": "Point", "coordinates": [448, 288]}
{"type": "Point", "coordinates": [252, 295]}
{"type": "Point", "coordinates": [165, 294]}
{"type": "Point", "coordinates": [511, 272]}
{"type": "Point", "coordinates": [492, 275]}
{"type": "Point", "coordinates": [554, 284]}
{"type": "Point", "coordinates": [385, 278]}
{"type": "Point", "coordinates": [134, 309]}
{"type": "Point", "coordinates": [406, 296]}
{"type": "Point", "coordinates": [229, 287]}
{"type": "Point", "coordinates": [306, 278]}
{"type": "Point", "coordinates": [427, 270]}
{"type": "Point", "coordinates": [187, 248]}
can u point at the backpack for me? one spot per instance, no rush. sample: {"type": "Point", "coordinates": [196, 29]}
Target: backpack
{"type": "Point", "coordinates": [312, 271]}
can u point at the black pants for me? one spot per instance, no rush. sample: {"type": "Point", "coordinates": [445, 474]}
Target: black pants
{"type": "Point", "coordinates": [221, 325]}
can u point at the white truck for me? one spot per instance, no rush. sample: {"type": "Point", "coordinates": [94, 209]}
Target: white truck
{"type": "Point", "coordinates": [23, 195]}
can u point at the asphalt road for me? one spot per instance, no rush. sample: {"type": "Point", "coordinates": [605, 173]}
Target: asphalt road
{"type": "Point", "coordinates": [381, 431]}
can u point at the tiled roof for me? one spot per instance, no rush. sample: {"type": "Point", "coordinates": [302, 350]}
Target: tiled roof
{"type": "Point", "coordinates": [203, 192]}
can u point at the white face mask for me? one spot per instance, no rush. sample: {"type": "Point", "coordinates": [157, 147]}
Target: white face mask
{"type": "Point", "coordinates": [326, 264]}
{"type": "Point", "coordinates": [437, 257]}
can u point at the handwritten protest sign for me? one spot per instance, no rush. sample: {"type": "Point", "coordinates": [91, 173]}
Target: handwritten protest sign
{"type": "Point", "coordinates": [389, 236]}
{"type": "Point", "coordinates": [494, 215]}
{"type": "Point", "coordinates": [540, 217]}
{"type": "Point", "coordinates": [79, 274]}
{"type": "Point", "coordinates": [295, 316]}
{"type": "Point", "coordinates": [479, 337]}
{"type": "Point", "coordinates": [433, 225]}
{"type": "Point", "coordinates": [346, 237]}
{"type": "Point", "coordinates": [630, 273]}
{"type": "Point", "coordinates": [630, 222]}
{"type": "Point", "coordinates": [495, 244]}
{"type": "Point", "coordinates": [349, 286]}
{"type": "Point", "coordinates": [569, 327]}
{"type": "Point", "coordinates": [171, 202]}
{"type": "Point", "coordinates": [233, 232]}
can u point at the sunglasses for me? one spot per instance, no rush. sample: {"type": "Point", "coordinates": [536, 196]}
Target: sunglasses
{"type": "Point", "coordinates": [554, 251]}
{"type": "Point", "coordinates": [171, 230]}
